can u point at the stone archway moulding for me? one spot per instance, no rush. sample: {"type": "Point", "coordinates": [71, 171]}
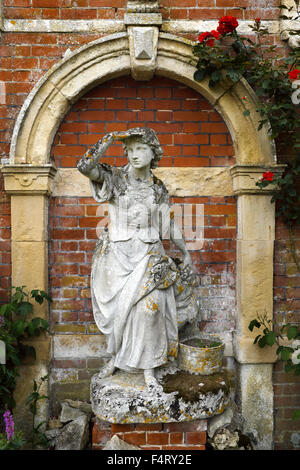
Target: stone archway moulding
{"type": "Point", "coordinates": [29, 173]}
{"type": "Point", "coordinates": [109, 57]}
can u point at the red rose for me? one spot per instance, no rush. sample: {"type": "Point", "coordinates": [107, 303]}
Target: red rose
{"type": "Point", "coordinates": [257, 20]}
{"type": "Point", "coordinates": [227, 24]}
{"type": "Point", "coordinates": [268, 176]}
{"type": "Point", "coordinates": [209, 37]}
{"type": "Point", "coordinates": [293, 74]}
{"type": "Point", "coordinates": [203, 36]}
{"type": "Point", "coordinates": [215, 34]}
{"type": "Point", "coordinates": [210, 42]}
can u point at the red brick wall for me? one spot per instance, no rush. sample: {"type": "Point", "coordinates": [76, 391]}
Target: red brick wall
{"type": "Point", "coordinates": [175, 9]}
{"type": "Point", "coordinates": [190, 131]}
{"type": "Point", "coordinates": [5, 256]}
{"type": "Point", "coordinates": [286, 310]}
{"type": "Point", "coordinates": [168, 436]}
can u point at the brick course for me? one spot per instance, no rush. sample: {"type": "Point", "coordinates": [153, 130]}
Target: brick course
{"type": "Point", "coordinates": [153, 436]}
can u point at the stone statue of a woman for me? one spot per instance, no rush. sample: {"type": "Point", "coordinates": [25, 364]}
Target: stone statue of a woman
{"type": "Point", "coordinates": [134, 285]}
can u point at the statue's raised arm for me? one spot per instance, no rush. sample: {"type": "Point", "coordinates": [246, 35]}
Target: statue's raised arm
{"type": "Point", "coordinates": [88, 165]}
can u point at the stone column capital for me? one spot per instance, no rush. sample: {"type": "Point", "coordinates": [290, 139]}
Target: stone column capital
{"type": "Point", "coordinates": [28, 179]}
{"type": "Point", "coordinates": [245, 178]}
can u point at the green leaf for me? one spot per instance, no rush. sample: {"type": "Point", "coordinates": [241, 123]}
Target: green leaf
{"type": "Point", "coordinates": [285, 353]}
{"type": "Point", "coordinates": [292, 332]}
{"type": "Point", "coordinates": [289, 366]}
{"type": "Point", "coordinates": [199, 75]}
{"type": "Point", "coordinates": [31, 398]}
{"type": "Point", "coordinates": [256, 339]}
{"type": "Point", "coordinates": [18, 327]}
{"type": "Point", "coordinates": [246, 113]}
{"type": "Point", "coordinates": [25, 308]}
{"type": "Point", "coordinates": [270, 338]}
{"type": "Point", "coordinates": [262, 342]}
{"type": "Point", "coordinates": [296, 415]}
{"type": "Point", "coordinates": [36, 321]}
{"type": "Point", "coordinates": [4, 309]}
{"type": "Point", "coordinates": [254, 323]}
{"type": "Point", "coordinates": [30, 328]}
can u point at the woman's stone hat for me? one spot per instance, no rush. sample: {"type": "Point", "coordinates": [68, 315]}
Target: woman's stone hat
{"type": "Point", "coordinates": [149, 137]}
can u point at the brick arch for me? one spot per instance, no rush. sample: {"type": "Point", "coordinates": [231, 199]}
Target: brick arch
{"type": "Point", "coordinates": [108, 58]}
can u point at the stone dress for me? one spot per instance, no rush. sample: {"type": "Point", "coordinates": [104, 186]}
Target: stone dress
{"type": "Point", "coordinates": [132, 279]}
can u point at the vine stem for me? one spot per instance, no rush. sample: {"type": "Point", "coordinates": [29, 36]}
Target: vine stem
{"type": "Point", "coordinates": [293, 248]}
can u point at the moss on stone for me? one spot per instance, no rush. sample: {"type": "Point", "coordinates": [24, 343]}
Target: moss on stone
{"type": "Point", "coordinates": [189, 388]}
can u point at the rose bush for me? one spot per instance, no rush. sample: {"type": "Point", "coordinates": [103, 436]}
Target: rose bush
{"type": "Point", "coordinates": [225, 53]}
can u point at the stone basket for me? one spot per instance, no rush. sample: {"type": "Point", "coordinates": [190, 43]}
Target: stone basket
{"type": "Point", "coordinates": [201, 360]}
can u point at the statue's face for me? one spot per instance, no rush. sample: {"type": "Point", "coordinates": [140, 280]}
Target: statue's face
{"type": "Point", "coordinates": [139, 154]}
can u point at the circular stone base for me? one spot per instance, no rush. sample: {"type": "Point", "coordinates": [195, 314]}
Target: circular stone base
{"type": "Point", "coordinates": [124, 398]}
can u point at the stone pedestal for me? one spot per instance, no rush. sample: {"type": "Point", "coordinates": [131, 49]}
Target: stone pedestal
{"type": "Point", "coordinates": [184, 403]}
{"type": "Point", "coordinates": [124, 398]}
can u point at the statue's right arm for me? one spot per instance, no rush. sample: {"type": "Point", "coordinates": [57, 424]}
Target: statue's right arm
{"type": "Point", "coordinates": [88, 164]}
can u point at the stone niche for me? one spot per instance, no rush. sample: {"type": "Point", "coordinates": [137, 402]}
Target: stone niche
{"type": "Point", "coordinates": [31, 178]}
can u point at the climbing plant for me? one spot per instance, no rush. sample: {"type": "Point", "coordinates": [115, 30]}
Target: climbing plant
{"type": "Point", "coordinates": [17, 324]}
{"type": "Point", "coordinates": [225, 54]}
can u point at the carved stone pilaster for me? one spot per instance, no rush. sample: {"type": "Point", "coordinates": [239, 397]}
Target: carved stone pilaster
{"type": "Point", "coordinates": [245, 178]}
{"type": "Point", "coordinates": [27, 179]}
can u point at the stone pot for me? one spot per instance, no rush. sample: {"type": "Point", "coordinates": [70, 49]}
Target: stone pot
{"type": "Point", "coordinates": [201, 360]}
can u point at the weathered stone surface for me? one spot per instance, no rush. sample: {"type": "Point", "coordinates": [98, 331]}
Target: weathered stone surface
{"type": "Point", "coordinates": [255, 390]}
{"type": "Point", "coordinates": [225, 440]}
{"type": "Point", "coordinates": [79, 346]}
{"type": "Point", "coordinates": [54, 423]}
{"type": "Point", "coordinates": [143, 50]}
{"type": "Point", "coordinates": [109, 26]}
{"type": "Point", "coordinates": [81, 405]}
{"type": "Point", "coordinates": [118, 444]}
{"type": "Point", "coordinates": [124, 398]}
{"type": "Point", "coordinates": [219, 421]}
{"type": "Point", "coordinates": [73, 436]}
{"type": "Point", "coordinates": [180, 181]}
{"type": "Point", "coordinates": [68, 413]}
{"type": "Point", "coordinates": [52, 434]}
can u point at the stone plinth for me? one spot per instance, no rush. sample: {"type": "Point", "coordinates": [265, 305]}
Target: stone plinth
{"type": "Point", "coordinates": [124, 398]}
